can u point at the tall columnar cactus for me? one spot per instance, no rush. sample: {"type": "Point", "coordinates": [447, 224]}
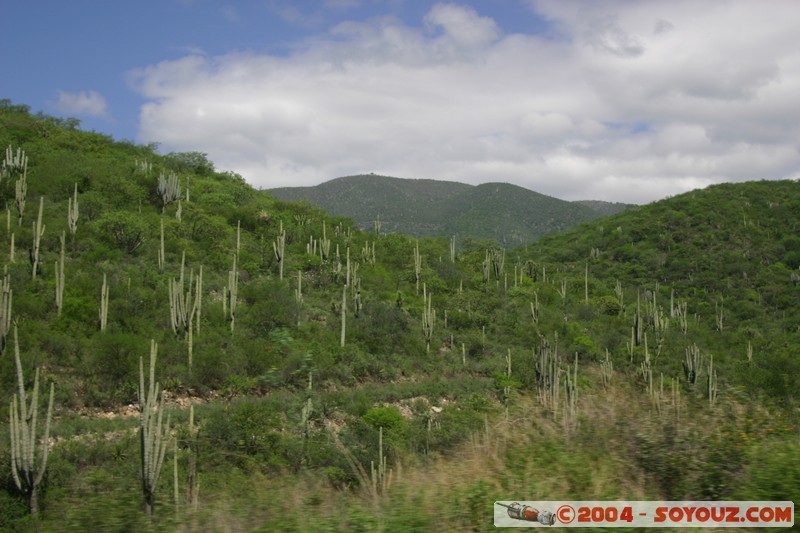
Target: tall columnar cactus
{"type": "Point", "coordinates": [104, 304]}
{"type": "Point", "coordinates": [692, 364]}
{"type": "Point", "coordinates": [712, 383]}
{"type": "Point", "coordinates": [377, 225]}
{"type": "Point", "coordinates": [417, 264]}
{"type": "Point", "coordinates": [486, 267]}
{"type": "Point", "coordinates": [306, 416]}
{"type": "Point", "coordinates": [154, 436]}
{"type": "Point", "coordinates": [571, 397]}
{"type": "Point", "coordinates": [59, 270]}
{"type": "Point", "coordinates": [548, 365]}
{"type": "Point", "coordinates": [6, 296]}
{"type": "Point", "coordinates": [428, 317]}
{"type": "Point", "coordinates": [380, 476]}
{"type": "Point", "coordinates": [184, 303]}
{"type": "Point", "coordinates": [453, 249]}
{"type": "Point", "coordinates": [324, 245]}
{"type": "Point", "coordinates": [38, 231]}
{"type": "Point", "coordinates": [279, 249]}
{"type": "Point", "coordinates": [24, 469]}
{"type": "Point", "coordinates": [498, 258]}
{"type": "Point", "coordinates": [233, 291]}
{"type": "Point", "coordinates": [238, 236]}
{"type": "Point", "coordinates": [586, 284]}
{"type": "Point", "coordinates": [298, 291]}
{"type": "Point", "coordinates": [16, 166]}
{"type": "Point", "coordinates": [161, 255]}
{"type": "Point", "coordinates": [169, 189]}
{"type": "Point", "coordinates": [72, 212]}
{"type": "Point", "coordinates": [344, 316]}
{"type": "Point", "coordinates": [606, 370]}
{"type": "Point", "coordinates": [192, 483]}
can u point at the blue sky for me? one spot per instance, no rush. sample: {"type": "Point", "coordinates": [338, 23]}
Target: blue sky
{"type": "Point", "coordinates": [614, 100]}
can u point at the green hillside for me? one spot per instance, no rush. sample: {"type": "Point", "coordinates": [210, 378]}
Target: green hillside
{"type": "Point", "coordinates": [341, 380]}
{"type": "Point", "coordinates": [508, 214]}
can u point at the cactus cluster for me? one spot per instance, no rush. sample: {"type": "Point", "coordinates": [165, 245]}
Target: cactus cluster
{"type": "Point", "coordinates": [154, 435]}
{"type": "Point", "coordinates": [168, 189]}
{"type": "Point", "coordinates": [38, 231]}
{"type": "Point", "coordinates": [26, 469]}
{"type": "Point", "coordinates": [73, 212]}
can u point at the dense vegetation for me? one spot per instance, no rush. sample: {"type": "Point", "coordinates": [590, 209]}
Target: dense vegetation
{"type": "Point", "coordinates": [508, 214]}
{"type": "Point", "coordinates": [387, 391]}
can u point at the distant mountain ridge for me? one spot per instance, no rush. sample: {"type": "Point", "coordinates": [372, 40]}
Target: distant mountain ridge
{"type": "Point", "coordinates": [506, 213]}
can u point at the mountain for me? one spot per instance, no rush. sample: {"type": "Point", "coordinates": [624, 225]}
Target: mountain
{"type": "Point", "coordinates": [509, 214]}
{"type": "Point", "coordinates": [648, 354]}
{"type": "Point", "coordinates": [604, 208]}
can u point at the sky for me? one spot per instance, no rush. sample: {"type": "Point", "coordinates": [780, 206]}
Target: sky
{"type": "Point", "coordinates": [617, 100]}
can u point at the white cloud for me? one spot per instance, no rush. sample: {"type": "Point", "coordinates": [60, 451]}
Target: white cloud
{"type": "Point", "coordinates": [619, 100]}
{"type": "Point", "coordinates": [90, 103]}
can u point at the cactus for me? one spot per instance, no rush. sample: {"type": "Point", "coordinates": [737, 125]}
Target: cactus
{"type": "Point", "coordinates": [183, 306]}
{"type": "Point", "coordinates": [719, 315]}
{"type": "Point", "coordinates": [72, 212]}
{"type": "Point", "coordinates": [161, 255]}
{"type": "Point", "coordinates": [607, 371]}
{"type": "Point", "coordinates": [586, 284]}
{"type": "Point", "coordinates": [712, 383]}
{"type": "Point", "coordinates": [38, 231]}
{"type": "Point", "coordinates": [547, 375]}
{"type": "Point", "coordinates": [620, 294]}
{"type": "Point", "coordinates": [59, 271]}
{"type": "Point", "coordinates": [233, 291]}
{"type": "Point", "coordinates": [104, 304]}
{"type": "Point", "coordinates": [192, 484]}
{"type": "Point", "coordinates": [507, 387]}
{"type": "Point", "coordinates": [381, 477]}
{"type": "Point", "coordinates": [238, 236]}
{"type": "Point", "coordinates": [142, 167]}
{"type": "Point", "coordinates": [27, 475]}
{"type": "Point", "coordinates": [453, 249]}
{"type": "Point", "coordinates": [153, 435]}
{"type": "Point", "coordinates": [306, 416]}
{"type": "Point", "coordinates": [377, 225]}
{"type": "Point", "coordinates": [368, 253]}
{"type": "Point", "coordinates": [5, 309]}
{"type": "Point", "coordinates": [692, 364]}
{"type": "Point", "coordinates": [571, 397]}
{"type": "Point", "coordinates": [298, 292]}
{"type": "Point", "coordinates": [21, 192]}
{"type": "Point", "coordinates": [417, 264]}
{"type": "Point", "coordinates": [11, 254]}
{"type": "Point", "coordinates": [324, 245]}
{"type": "Point", "coordinates": [428, 317]}
{"type": "Point", "coordinates": [17, 166]}
{"type": "Point", "coordinates": [169, 189]}
{"type": "Point", "coordinates": [279, 249]}
{"type": "Point", "coordinates": [14, 164]}
{"type": "Point", "coordinates": [344, 316]}
{"type": "Point", "coordinates": [563, 291]}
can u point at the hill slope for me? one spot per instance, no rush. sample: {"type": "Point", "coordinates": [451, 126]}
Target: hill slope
{"type": "Point", "coordinates": [321, 350]}
{"type": "Point", "coordinates": [508, 214]}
